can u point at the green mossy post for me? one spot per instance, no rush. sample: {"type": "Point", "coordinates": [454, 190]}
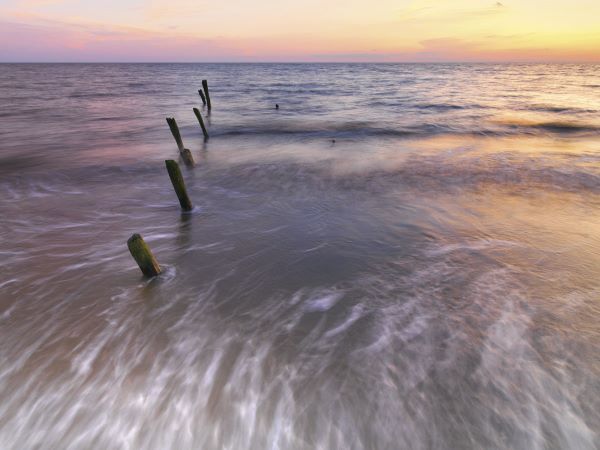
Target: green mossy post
{"type": "Point", "coordinates": [205, 87]}
{"type": "Point", "coordinates": [175, 131]}
{"type": "Point", "coordinates": [199, 117]}
{"type": "Point", "coordinates": [143, 256]}
{"type": "Point", "coordinates": [202, 96]}
{"type": "Point", "coordinates": [178, 184]}
{"type": "Point", "coordinates": [187, 157]}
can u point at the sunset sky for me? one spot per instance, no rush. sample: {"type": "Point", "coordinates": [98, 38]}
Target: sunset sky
{"type": "Point", "coordinates": [292, 30]}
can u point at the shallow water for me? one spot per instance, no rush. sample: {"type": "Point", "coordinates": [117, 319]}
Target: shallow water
{"type": "Point", "coordinates": [428, 280]}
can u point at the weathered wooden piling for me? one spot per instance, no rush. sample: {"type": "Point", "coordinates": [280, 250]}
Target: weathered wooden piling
{"type": "Point", "coordinates": [175, 131]}
{"type": "Point", "coordinates": [199, 117]}
{"type": "Point", "coordinates": [143, 256]}
{"type": "Point", "coordinates": [202, 96]}
{"type": "Point", "coordinates": [187, 157]}
{"type": "Point", "coordinates": [178, 184]}
{"type": "Point", "coordinates": [205, 87]}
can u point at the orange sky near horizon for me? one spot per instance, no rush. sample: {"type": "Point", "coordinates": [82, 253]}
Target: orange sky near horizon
{"type": "Point", "coordinates": [311, 30]}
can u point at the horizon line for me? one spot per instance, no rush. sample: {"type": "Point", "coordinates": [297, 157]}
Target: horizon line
{"type": "Point", "coordinates": [307, 62]}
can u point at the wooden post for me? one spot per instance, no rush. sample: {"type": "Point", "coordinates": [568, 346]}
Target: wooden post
{"type": "Point", "coordinates": [178, 184]}
{"type": "Point", "coordinates": [187, 157]}
{"type": "Point", "coordinates": [199, 117]}
{"type": "Point", "coordinates": [205, 87]}
{"type": "Point", "coordinates": [175, 131]}
{"type": "Point", "coordinates": [143, 256]}
{"type": "Point", "coordinates": [202, 96]}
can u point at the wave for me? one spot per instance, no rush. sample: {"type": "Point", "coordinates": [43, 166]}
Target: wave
{"type": "Point", "coordinates": [560, 109]}
{"type": "Point", "coordinates": [445, 106]}
{"type": "Point", "coordinates": [362, 130]}
{"type": "Point", "coordinates": [565, 127]}
{"type": "Point", "coordinates": [348, 130]}
{"type": "Point", "coordinates": [93, 94]}
{"type": "Point", "coordinates": [436, 173]}
{"type": "Point", "coordinates": [558, 127]}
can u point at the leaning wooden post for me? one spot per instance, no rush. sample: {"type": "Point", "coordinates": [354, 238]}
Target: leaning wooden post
{"type": "Point", "coordinates": [175, 131]}
{"type": "Point", "coordinates": [178, 184]}
{"type": "Point", "coordinates": [205, 87]}
{"type": "Point", "coordinates": [143, 255]}
{"type": "Point", "coordinates": [187, 157]}
{"type": "Point", "coordinates": [202, 96]}
{"type": "Point", "coordinates": [199, 117]}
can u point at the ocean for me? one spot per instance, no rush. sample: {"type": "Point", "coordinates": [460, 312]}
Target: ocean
{"type": "Point", "coordinates": [399, 256]}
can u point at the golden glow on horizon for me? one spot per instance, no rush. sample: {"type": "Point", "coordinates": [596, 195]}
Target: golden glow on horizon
{"type": "Point", "coordinates": [312, 30]}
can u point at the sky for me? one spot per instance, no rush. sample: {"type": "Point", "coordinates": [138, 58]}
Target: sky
{"type": "Point", "coordinates": [299, 30]}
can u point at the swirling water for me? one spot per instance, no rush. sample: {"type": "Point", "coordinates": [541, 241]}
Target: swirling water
{"type": "Point", "coordinates": [401, 256]}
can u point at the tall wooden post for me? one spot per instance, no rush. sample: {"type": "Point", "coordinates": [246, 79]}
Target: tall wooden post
{"type": "Point", "coordinates": [178, 184]}
{"type": "Point", "coordinates": [187, 157]}
{"type": "Point", "coordinates": [202, 96]}
{"type": "Point", "coordinates": [199, 117]}
{"type": "Point", "coordinates": [175, 131]}
{"type": "Point", "coordinates": [205, 87]}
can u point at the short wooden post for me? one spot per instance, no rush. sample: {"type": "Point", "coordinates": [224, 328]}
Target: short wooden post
{"type": "Point", "coordinates": [175, 131]}
{"type": "Point", "coordinates": [205, 87]}
{"type": "Point", "coordinates": [178, 184]}
{"type": "Point", "coordinates": [143, 256]}
{"type": "Point", "coordinates": [199, 117]}
{"type": "Point", "coordinates": [202, 96]}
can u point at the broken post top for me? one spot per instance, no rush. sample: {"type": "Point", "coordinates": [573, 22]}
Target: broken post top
{"type": "Point", "coordinates": [205, 87]}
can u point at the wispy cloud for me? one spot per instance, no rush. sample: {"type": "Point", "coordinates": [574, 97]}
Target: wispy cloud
{"type": "Point", "coordinates": [47, 40]}
{"type": "Point", "coordinates": [36, 3]}
{"type": "Point", "coordinates": [450, 49]}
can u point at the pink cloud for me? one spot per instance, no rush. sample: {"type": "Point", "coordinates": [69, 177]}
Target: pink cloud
{"type": "Point", "coordinates": [43, 40]}
{"type": "Point", "coordinates": [53, 41]}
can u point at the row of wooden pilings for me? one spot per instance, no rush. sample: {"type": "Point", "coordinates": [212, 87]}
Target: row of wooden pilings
{"type": "Point", "coordinates": [138, 248]}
